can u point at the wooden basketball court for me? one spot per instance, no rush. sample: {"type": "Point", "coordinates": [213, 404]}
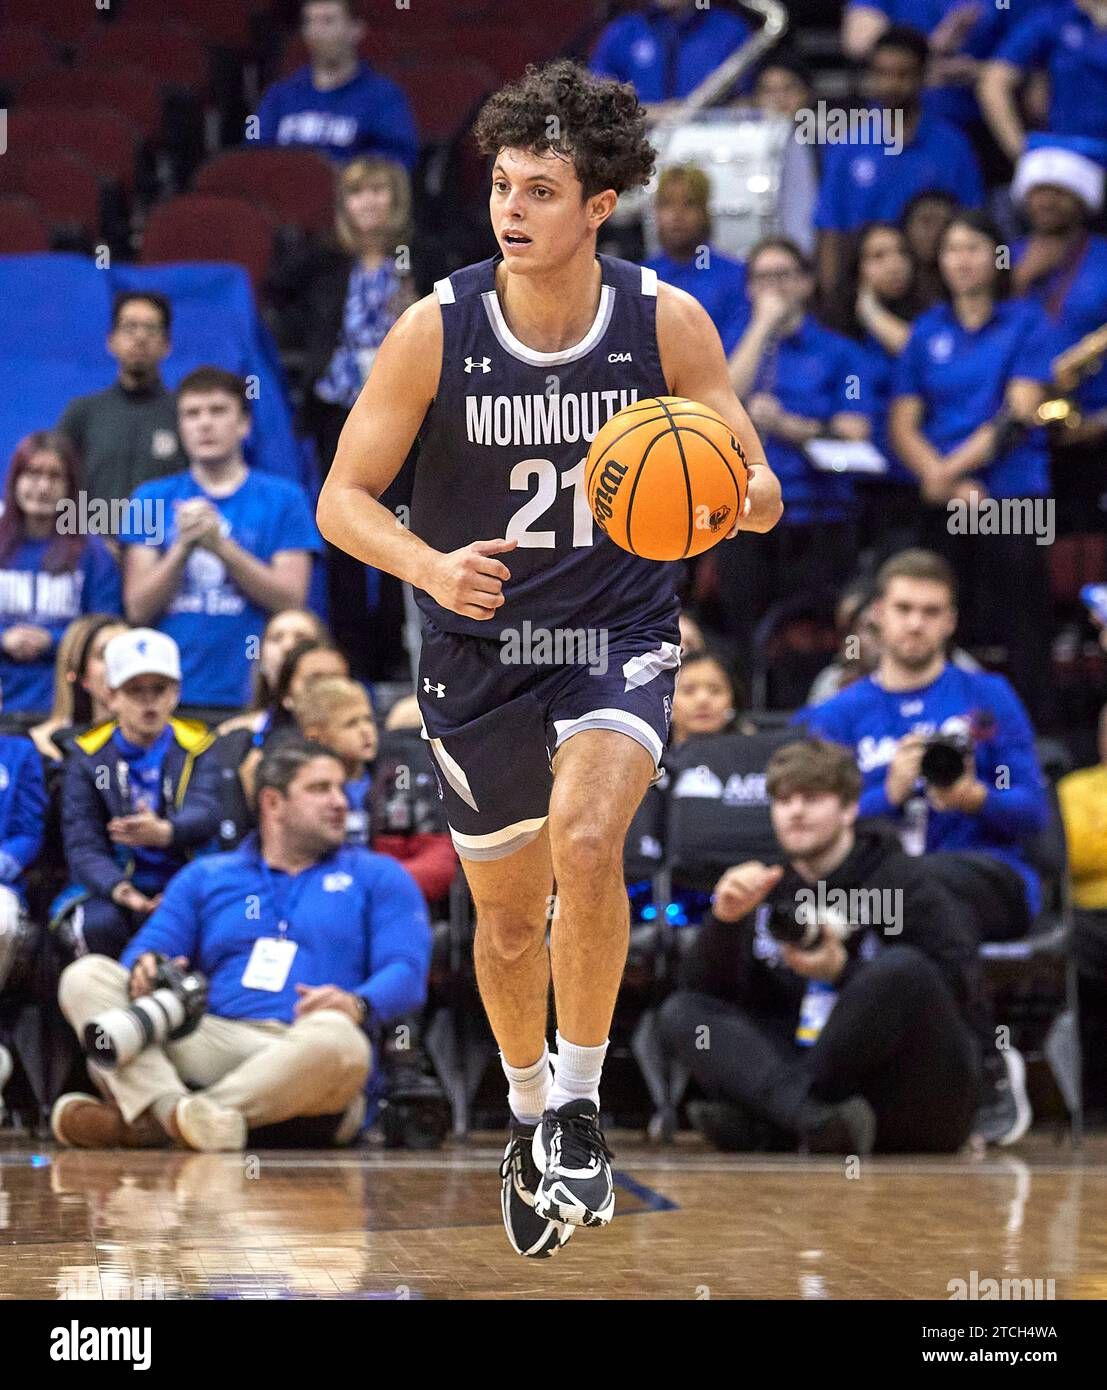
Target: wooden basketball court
{"type": "Point", "coordinates": [691, 1224]}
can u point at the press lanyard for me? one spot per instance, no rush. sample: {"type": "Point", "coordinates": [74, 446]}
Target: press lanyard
{"type": "Point", "coordinates": [280, 909]}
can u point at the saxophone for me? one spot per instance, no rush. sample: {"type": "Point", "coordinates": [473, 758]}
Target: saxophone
{"type": "Point", "coordinates": [1073, 366]}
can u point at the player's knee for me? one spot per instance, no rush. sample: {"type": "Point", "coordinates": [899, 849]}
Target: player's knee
{"type": "Point", "coordinates": [585, 846]}
{"type": "Point", "coordinates": [509, 936]}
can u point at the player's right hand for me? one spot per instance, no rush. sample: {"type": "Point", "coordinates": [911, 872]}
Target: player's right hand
{"type": "Point", "coordinates": [470, 581]}
{"type": "Point", "coordinates": [743, 888]}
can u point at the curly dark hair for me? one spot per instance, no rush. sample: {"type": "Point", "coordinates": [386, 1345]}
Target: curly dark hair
{"type": "Point", "coordinates": [598, 124]}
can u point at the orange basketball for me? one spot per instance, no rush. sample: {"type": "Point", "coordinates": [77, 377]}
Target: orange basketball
{"type": "Point", "coordinates": [666, 478]}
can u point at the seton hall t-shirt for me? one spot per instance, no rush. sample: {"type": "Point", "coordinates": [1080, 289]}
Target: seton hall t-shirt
{"type": "Point", "coordinates": [209, 617]}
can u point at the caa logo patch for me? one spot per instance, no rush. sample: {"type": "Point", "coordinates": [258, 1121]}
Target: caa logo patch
{"type": "Point", "coordinates": [619, 357]}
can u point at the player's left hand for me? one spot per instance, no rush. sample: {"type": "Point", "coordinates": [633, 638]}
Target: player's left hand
{"type": "Point", "coordinates": [763, 507]}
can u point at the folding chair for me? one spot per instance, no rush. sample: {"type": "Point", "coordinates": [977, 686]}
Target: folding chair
{"type": "Point", "coordinates": [1046, 950]}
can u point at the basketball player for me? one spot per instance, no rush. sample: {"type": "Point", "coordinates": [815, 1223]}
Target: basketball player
{"type": "Point", "coordinates": [504, 374]}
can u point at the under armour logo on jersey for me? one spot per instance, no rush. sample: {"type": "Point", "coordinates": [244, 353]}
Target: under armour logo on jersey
{"type": "Point", "coordinates": [439, 690]}
{"type": "Point", "coordinates": [485, 365]}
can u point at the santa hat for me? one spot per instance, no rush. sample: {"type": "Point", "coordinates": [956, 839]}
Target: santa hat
{"type": "Point", "coordinates": [1069, 162]}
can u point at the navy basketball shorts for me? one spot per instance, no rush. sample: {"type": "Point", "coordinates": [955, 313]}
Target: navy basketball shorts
{"type": "Point", "coordinates": [496, 711]}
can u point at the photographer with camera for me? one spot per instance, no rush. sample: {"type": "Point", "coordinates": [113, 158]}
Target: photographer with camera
{"type": "Point", "coordinates": [947, 756]}
{"type": "Point", "coordinates": [305, 949]}
{"type": "Point", "coordinates": [829, 1001]}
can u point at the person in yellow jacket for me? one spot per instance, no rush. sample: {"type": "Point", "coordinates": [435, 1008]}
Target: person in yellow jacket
{"type": "Point", "coordinates": [1083, 797]}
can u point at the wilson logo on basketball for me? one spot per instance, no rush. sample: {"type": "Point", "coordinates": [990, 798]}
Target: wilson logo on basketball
{"type": "Point", "coordinates": [610, 480]}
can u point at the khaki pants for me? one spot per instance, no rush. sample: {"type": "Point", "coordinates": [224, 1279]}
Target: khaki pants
{"type": "Point", "coordinates": [267, 1071]}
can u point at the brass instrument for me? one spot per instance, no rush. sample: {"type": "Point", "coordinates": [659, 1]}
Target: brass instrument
{"type": "Point", "coordinates": [1076, 363]}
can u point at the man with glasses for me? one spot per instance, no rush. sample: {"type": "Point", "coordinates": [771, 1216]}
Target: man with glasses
{"type": "Point", "coordinates": [127, 435]}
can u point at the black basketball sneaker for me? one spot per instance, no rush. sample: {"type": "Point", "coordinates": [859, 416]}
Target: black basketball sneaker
{"type": "Point", "coordinates": [574, 1160]}
{"type": "Point", "coordinates": [530, 1234]}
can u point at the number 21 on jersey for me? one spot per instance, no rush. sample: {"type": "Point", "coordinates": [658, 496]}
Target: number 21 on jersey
{"type": "Point", "coordinates": [518, 528]}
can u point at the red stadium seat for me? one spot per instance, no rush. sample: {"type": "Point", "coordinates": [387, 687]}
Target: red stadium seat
{"type": "Point", "coordinates": [215, 21]}
{"type": "Point", "coordinates": [23, 230]}
{"type": "Point", "coordinates": [296, 187]}
{"type": "Point", "coordinates": [104, 139]}
{"type": "Point", "coordinates": [174, 51]}
{"type": "Point", "coordinates": [65, 189]}
{"type": "Point", "coordinates": [201, 227]}
{"type": "Point", "coordinates": [24, 50]}
{"type": "Point", "coordinates": [132, 91]}
{"type": "Point", "coordinates": [67, 21]}
{"type": "Point", "coordinates": [443, 93]}
{"type": "Point", "coordinates": [378, 45]}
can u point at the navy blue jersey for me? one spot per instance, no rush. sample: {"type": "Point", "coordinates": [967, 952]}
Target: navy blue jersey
{"type": "Point", "coordinates": [502, 450]}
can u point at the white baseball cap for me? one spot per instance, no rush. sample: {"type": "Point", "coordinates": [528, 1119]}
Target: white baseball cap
{"type": "Point", "coordinates": [141, 652]}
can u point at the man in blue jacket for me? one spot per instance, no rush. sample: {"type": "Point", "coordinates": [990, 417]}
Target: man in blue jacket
{"type": "Point", "coordinates": [309, 947]}
{"type": "Point", "coordinates": [22, 817]}
{"type": "Point", "coordinates": [139, 797]}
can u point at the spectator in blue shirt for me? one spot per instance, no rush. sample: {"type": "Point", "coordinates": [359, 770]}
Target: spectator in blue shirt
{"type": "Point", "coordinates": [310, 948]}
{"type": "Point", "coordinates": [967, 389]}
{"type": "Point", "coordinates": [961, 34]}
{"type": "Point", "coordinates": [667, 49]}
{"type": "Point", "coordinates": [338, 105]}
{"type": "Point", "coordinates": [687, 259]}
{"type": "Point", "coordinates": [983, 821]}
{"type": "Point", "coordinates": [875, 175]}
{"type": "Point", "coordinates": [51, 570]}
{"type": "Point", "coordinates": [1069, 41]}
{"type": "Point", "coordinates": [22, 811]}
{"type": "Point", "coordinates": [877, 306]}
{"type": "Point", "coordinates": [218, 548]}
{"type": "Point", "coordinates": [1062, 267]}
{"type": "Point", "coordinates": [799, 382]}
{"type": "Point", "coordinates": [924, 221]}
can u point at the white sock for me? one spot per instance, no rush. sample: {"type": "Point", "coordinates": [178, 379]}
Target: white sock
{"type": "Point", "coordinates": [576, 1073]}
{"type": "Point", "coordinates": [527, 1088]}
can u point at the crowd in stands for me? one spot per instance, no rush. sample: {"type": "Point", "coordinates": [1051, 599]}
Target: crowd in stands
{"type": "Point", "coordinates": [191, 692]}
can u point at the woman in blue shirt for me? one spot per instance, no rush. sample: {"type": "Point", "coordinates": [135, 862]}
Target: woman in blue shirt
{"type": "Point", "coordinates": [798, 380]}
{"type": "Point", "coordinates": [963, 420]}
{"type": "Point", "coordinates": [879, 302]}
{"type": "Point", "coordinates": [49, 574]}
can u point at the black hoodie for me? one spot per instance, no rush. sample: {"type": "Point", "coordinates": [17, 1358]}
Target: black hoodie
{"type": "Point", "coordinates": [740, 961]}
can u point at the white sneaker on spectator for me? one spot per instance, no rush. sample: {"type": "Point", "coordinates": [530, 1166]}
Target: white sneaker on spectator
{"type": "Point", "coordinates": [353, 1117]}
{"type": "Point", "coordinates": [1005, 1114]}
{"type": "Point", "coordinates": [6, 1068]}
{"type": "Point", "coordinates": [208, 1127]}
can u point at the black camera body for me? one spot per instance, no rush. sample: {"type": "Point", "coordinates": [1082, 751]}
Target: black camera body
{"type": "Point", "coordinates": [800, 924]}
{"type": "Point", "coordinates": [171, 1010]}
{"type": "Point", "coordinates": [944, 757]}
